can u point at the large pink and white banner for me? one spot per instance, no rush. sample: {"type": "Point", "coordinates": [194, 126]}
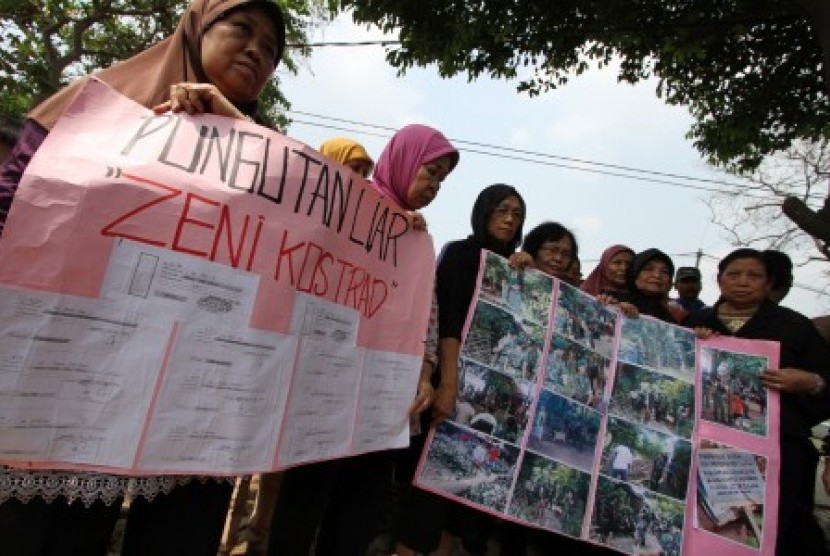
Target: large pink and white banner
{"type": "Point", "coordinates": [627, 433]}
{"type": "Point", "coordinates": [202, 295]}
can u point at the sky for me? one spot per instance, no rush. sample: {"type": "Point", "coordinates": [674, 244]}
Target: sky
{"type": "Point", "coordinates": [354, 92]}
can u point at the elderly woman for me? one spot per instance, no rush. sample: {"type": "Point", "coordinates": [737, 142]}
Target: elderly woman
{"type": "Point", "coordinates": [217, 61]}
{"type": "Point", "coordinates": [648, 283]}
{"type": "Point", "coordinates": [745, 311]}
{"type": "Point", "coordinates": [549, 247]}
{"type": "Point", "coordinates": [608, 277]}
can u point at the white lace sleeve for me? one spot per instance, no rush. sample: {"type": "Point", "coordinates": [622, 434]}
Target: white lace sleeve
{"type": "Point", "coordinates": [25, 484]}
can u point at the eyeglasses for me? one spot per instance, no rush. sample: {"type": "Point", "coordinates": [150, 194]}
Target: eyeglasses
{"type": "Point", "coordinates": [504, 212]}
{"type": "Point", "coordinates": [555, 250]}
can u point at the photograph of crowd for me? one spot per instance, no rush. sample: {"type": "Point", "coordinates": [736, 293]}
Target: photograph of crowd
{"type": "Point", "coordinates": [470, 465]}
{"type": "Point", "coordinates": [645, 458]}
{"type": "Point", "coordinates": [732, 393]}
{"type": "Point", "coordinates": [636, 521]}
{"type": "Point", "coordinates": [583, 319]}
{"type": "Point", "coordinates": [576, 372]}
{"type": "Point", "coordinates": [528, 293]}
{"type": "Point", "coordinates": [492, 402]}
{"type": "Point", "coordinates": [565, 430]}
{"type": "Point", "coordinates": [498, 340]}
{"type": "Point", "coordinates": [656, 400]}
{"type": "Point", "coordinates": [654, 344]}
{"type": "Point", "coordinates": [730, 486]}
{"type": "Point", "coordinates": [550, 495]}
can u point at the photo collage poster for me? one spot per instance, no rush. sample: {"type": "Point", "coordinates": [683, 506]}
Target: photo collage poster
{"type": "Point", "coordinates": [737, 456]}
{"type": "Point", "coordinates": [570, 417]}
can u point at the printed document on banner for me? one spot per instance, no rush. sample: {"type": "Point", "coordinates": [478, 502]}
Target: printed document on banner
{"type": "Point", "coordinates": [321, 410]}
{"type": "Point", "coordinates": [317, 318]}
{"type": "Point", "coordinates": [390, 382]}
{"type": "Point", "coordinates": [76, 378]}
{"type": "Point", "coordinates": [189, 287]}
{"type": "Point", "coordinates": [220, 405]}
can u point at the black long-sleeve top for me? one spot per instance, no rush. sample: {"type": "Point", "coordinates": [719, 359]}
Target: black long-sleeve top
{"type": "Point", "coordinates": [801, 347]}
{"type": "Point", "coordinates": [455, 283]}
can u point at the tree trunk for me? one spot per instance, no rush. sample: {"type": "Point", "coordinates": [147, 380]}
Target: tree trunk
{"type": "Point", "coordinates": [817, 224]}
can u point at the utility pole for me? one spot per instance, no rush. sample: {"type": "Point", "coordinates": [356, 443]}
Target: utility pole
{"type": "Point", "coordinates": [697, 259]}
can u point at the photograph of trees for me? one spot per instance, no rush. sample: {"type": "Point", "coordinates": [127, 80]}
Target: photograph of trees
{"type": "Point", "coordinates": [583, 319]}
{"type": "Point", "coordinates": [498, 340]}
{"type": "Point", "coordinates": [527, 293]}
{"type": "Point", "coordinates": [550, 494]}
{"type": "Point", "coordinates": [492, 402]}
{"type": "Point", "coordinates": [653, 399]}
{"type": "Point", "coordinates": [470, 465]}
{"type": "Point", "coordinates": [648, 459]}
{"type": "Point", "coordinates": [565, 430]}
{"type": "Point", "coordinates": [733, 395]}
{"type": "Point", "coordinates": [657, 345]}
{"type": "Point", "coordinates": [576, 372]}
{"type": "Point", "coordinates": [636, 521]}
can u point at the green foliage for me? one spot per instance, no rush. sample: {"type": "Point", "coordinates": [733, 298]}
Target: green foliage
{"type": "Point", "coordinates": [494, 322]}
{"type": "Point", "coordinates": [47, 43]}
{"type": "Point", "coordinates": [683, 461]}
{"type": "Point", "coordinates": [739, 363]}
{"type": "Point", "coordinates": [495, 274]}
{"type": "Point", "coordinates": [500, 386]}
{"type": "Point", "coordinates": [750, 71]}
{"type": "Point", "coordinates": [670, 509]}
{"type": "Point", "coordinates": [624, 433]}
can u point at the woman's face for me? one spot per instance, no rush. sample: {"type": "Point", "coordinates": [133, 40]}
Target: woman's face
{"type": "Point", "coordinates": [654, 278]}
{"type": "Point", "coordinates": [239, 54]}
{"type": "Point", "coordinates": [554, 257]}
{"type": "Point", "coordinates": [427, 182]}
{"type": "Point", "coordinates": [506, 219]}
{"type": "Point", "coordinates": [617, 267]}
{"type": "Point", "coordinates": [360, 167]}
{"type": "Point", "coordinates": [744, 282]}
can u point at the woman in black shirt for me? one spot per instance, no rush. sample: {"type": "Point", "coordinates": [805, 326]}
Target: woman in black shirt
{"type": "Point", "coordinates": [497, 219]}
{"type": "Point", "coordinates": [745, 311]}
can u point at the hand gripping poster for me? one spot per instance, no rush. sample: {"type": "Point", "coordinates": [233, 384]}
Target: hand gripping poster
{"type": "Point", "coordinates": [195, 294]}
{"type": "Point", "coordinates": [574, 419]}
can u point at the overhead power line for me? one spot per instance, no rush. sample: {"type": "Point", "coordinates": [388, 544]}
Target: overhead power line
{"type": "Point", "coordinates": [535, 153]}
{"type": "Point", "coordinates": [546, 159]}
{"type": "Point", "coordinates": [524, 159]}
{"type": "Point", "coordinates": [344, 43]}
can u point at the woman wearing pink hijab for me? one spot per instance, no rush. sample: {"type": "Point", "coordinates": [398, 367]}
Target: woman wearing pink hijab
{"type": "Point", "coordinates": [341, 501]}
{"type": "Point", "coordinates": [412, 166]}
{"type": "Point", "coordinates": [609, 275]}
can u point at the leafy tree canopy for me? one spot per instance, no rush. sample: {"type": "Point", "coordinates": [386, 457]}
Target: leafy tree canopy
{"type": "Point", "coordinates": [750, 71]}
{"type": "Point", "coordinates": [47, 43]}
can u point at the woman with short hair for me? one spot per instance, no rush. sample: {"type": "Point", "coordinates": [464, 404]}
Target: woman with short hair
{"type": "Point", "coordinates": [744, 310]}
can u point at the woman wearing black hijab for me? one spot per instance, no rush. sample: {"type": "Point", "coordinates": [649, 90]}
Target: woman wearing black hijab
{"type": "Point", "coordinates": [649, 281]}
{"type": "Point", "coordinates": [497, 219]}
